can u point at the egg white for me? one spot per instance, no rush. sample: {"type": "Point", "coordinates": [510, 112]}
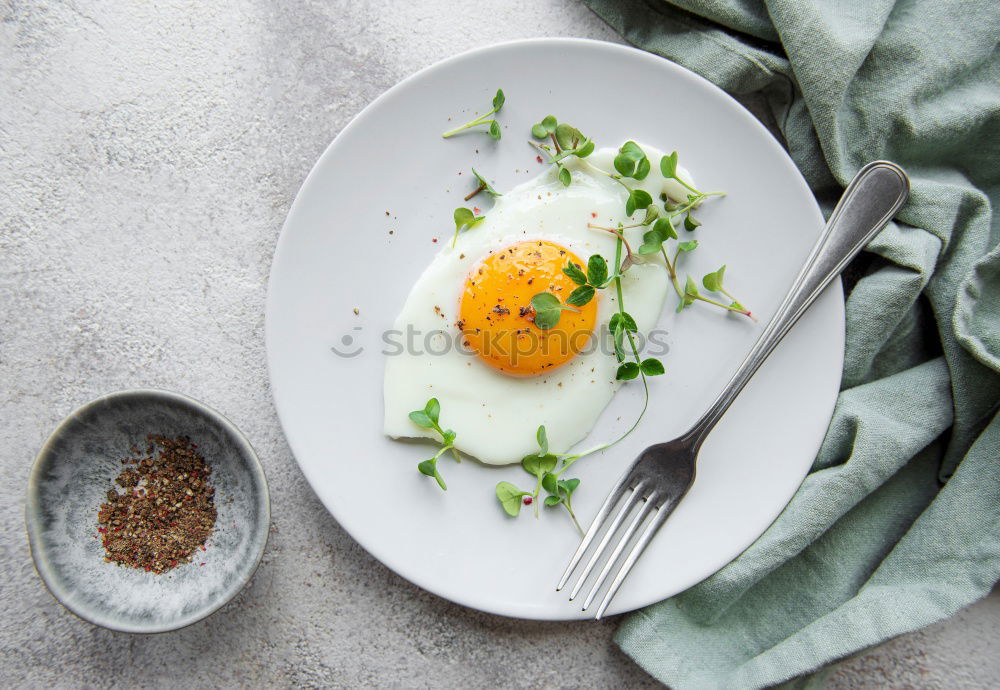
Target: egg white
{"type": "Point", "coordinates": [496, 415]}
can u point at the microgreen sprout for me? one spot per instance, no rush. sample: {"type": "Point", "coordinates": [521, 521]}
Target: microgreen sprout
{"type": "Point", "coordinates": [427, 418]}
{"type": "Point", "coordinates": [539, 464]}
{"type": "Point", "coordinates": [628, 163]}
{"type": "Point", "coordinates": [542, 465]}
{"type": "Point", "coordinates": [713, 282]}
{"type": "Point", "coordinates": [653, 239]}
{"type": "Point", "coordinates": [484, 186]}
{"type": "Point", "coordinates": [510, 498]}
{"type": "Point", "coordinates": [690, 294]}
{"type": "Point", "coordinates": [493, 127]}
{"type": "Point", "coordinates": [547, 309]}
{"type": "Point", "coordinates": [566, 141]}
{"type": "Point", "coordinates": [668, 167]}
{"type": "Point", "coordinates": [465, 218]}
{"type": "Point", "coordinates": [631, 161]}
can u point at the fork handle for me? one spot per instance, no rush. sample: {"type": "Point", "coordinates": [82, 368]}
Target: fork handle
{"type": "Point", "coordinates": [872, 198]}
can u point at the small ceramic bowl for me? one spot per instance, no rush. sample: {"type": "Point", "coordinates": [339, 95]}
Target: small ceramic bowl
{"type": "Point", "coordinates": [76, 468]}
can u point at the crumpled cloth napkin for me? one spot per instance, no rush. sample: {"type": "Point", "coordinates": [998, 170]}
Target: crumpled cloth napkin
{"type": "Point", "coordinates": [898, 523]}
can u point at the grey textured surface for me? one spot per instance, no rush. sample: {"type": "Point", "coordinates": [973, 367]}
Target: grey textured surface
{"type": "Point", "coordinates": [148, 155]}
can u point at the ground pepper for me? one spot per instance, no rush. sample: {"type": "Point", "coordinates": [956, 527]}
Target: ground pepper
{"type": "Point", "coordinates": [165, 510]}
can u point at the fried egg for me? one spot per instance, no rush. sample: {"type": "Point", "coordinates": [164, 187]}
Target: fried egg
{"type": "Point", "coordinates": [467, 324]}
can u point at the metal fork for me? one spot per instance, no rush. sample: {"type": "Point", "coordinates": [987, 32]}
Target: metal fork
{"type": "Point", "coordinates": [663, 473]}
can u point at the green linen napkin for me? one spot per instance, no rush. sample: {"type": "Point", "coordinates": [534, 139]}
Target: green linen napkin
{"type": "Point", "coordinates": [898, 523]}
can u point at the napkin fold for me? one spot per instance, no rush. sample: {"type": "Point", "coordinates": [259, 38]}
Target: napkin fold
{"type": "Point", "coordinates": [898, 523]}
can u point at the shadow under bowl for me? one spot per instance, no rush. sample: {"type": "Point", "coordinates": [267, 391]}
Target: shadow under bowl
{"type": "Point", "coordinates": [71, 477]}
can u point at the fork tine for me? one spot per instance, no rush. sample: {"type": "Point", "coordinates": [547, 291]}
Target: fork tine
{"type": "Point", "coordinates": [623, 512]}
{"type": "Point", "coordinates": [640, 515]}
{"type": "Point", "coordinates": [612, 528]}
{"type": "Point", "coordinates": [595, 527]}
{"type": "Point", "coordinates": [662, 513]}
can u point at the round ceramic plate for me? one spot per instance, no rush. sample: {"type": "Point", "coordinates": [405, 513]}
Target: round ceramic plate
{"type": "Point", "coordinates": [363, 228]}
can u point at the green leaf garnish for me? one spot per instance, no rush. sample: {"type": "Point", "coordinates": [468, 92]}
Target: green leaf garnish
{"type": "Point", "coordinates": [566, 141]}
{"type": "Point", "coordinates": [543, 440]}
{"type": "Point", "coordinates": [690, 294]}
{"type": "Point", "coordinates": [575, 273]}
{"type": "Point", "coordinates": [567, 136]}
{"type": "Point", "coordinates": [581, 296]}
{"type": "Point", "coordinates": [548, 309]}
{"type": "Point", "coordinates": [652, 213]}
{"type": "Point", "coordinates": [642, 169]}
{"type": "Point", "coordinates": [541, 130]}
{"type": "Point", "coordinates": [464, 218]}
{"type": "Point", "coordinates": [651, 367]}
{"type": "Point", "coordinates": [510, 498]}
{"type": "Point", "coordinates": [623, 320]}
{"type": "Point", "coordinates": [597, 270]}
{"type": "Point", "coordinates": [429, 467]}
{"type": "Point", "coordinates": [713, 281]}
{"type": "Point", "coordinates": [483, 186]}
{"type": "Point", "coordinates": [638, 199]}
{"type": "Point", "coordinates": [538, 465]}
{"type": "Point", "coordinates": [668, 166]}
{"type": "Point", "coordinates": [429, 418]}
{"type": "Point", "coordinates": [433, 410]}
{"type": "Point", "coordinates": [653, 239]}
{"type": "Point", "coordinates": [631, 162]}
{"type": "Point", "coordinates": [420, 418]}
{"type": "Point", "coordinates": [664, 227]}
{"type": "Point", "coordinates": [688, 246]}
{"type": "Point", "coordinates": [493, 126]}
{"type": "Point", "coordinates": [550, 483]}
{"type": "Point", "coordinates": [690, 222]}
{"type": "Point", "coordinates": [569, 485]}
{"type": "Point", "coordinates": [627, 371]}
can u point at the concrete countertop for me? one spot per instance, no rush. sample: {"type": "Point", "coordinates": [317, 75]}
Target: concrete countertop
{"type": "Point", "coordinates": [149, 155]}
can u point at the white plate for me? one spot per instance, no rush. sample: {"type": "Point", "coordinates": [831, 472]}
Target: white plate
{"type": "Point", "coordinates": [339, 251]}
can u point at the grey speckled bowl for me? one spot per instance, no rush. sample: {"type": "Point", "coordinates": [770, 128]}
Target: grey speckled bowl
{"type": "Point", "coordinates": [74, 471]}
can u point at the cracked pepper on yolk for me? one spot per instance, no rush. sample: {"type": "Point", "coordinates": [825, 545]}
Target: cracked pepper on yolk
{"type": "Point", "coordinates": [496, 317]}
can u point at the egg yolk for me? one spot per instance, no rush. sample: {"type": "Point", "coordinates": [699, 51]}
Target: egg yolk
{"type": "Point", "coordinates": [496, 317]}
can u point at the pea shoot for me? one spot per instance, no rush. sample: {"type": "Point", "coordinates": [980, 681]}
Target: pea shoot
{"type": "Point", "coordinates": [493, 127]}
{"type": "Point", "coordinates": [427, 418]}
{"type": "Point", "coordinates": [548, 309]}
